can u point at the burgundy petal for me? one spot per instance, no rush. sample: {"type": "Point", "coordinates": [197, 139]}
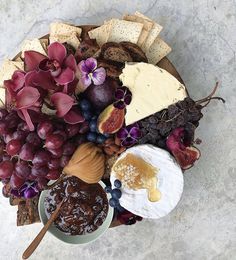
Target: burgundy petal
{"type": "Point", "coordinates": [70, 62]}
{"type": "Point", "coordinates": [43, 65]}
{"type": "Point", "coordinates": [119, 94]}
{"type": "Point", "coordinates": [57, 51]}
{"type": "Point", "coordinates": [119, 104]}
{"type": "Point", "coordinates": [27, 119]}
{"type": "Point", "coordinates": [122, 133]}
{"type": "Point", "coordinates": [32, 60]}
{"type": "Point", "coordinates": [127, 99]}
{"type": "Point", "coordinates": [91, 64]}
{"type": "Point", "coordinates": [62, 102]}
{"type": "Point", "coordinates": [18, 79]}
{"type": "Point", "coordinates": [67, 75]}
{"type": "Point", "coordinates": [135, 133]}
{"type": "Point", "coordinates": [27, 97]}
{"type": "Point", "coordinates": [74, 116]}
{"type": "Point", "coordinates": [99, 76]}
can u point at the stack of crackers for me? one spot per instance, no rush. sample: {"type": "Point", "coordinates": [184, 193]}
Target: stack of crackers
{"type": "Point", "coordinates": [136, 28]}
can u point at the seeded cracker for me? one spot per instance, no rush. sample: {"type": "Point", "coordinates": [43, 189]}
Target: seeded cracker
{"type": "Point", "coordinates": [71, 39]}
{"type": "Point", "coordinates": [58, 28]}
{"type": "Point", "coordinates": [32, 45]}
{"type": "Point", "coordinates": [101, 33]}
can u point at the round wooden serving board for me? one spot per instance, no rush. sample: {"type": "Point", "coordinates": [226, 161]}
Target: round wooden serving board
{"type": "Point", "coordinates": [164, 64]}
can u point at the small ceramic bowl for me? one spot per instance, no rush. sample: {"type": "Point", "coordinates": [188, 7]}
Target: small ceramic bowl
{"type": "Point", "coordinates": [78, 239]}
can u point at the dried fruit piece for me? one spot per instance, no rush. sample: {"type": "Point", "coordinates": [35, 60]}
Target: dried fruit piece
{"type": "Point", "coordinates": [184, 155]}
{"type": "Point", "coordinates": [111, 120]}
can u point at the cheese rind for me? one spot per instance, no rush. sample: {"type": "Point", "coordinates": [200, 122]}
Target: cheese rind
{"type": "Point", "coordinates": [153, 89]}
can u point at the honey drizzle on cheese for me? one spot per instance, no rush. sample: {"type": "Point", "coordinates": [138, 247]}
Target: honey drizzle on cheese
{"type": "Point", "coordinates": [135, 173]}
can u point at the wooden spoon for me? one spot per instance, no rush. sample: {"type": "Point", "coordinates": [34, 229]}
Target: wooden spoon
{"type": "Point", "coordinates": [29, 251]}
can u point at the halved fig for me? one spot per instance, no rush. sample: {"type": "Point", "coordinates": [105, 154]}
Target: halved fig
{"type": "Point", "coordinates": [184, 155]}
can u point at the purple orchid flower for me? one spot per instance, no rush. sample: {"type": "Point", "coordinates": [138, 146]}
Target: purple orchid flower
{"type": "Point", "coordinates": [129, 135]}
{"type": "Point", "coordinates": [27, 191]}
{"type": "Point", "coordinates": [90, 73]}
{"type": "Point", "coordinates": [123, 97]}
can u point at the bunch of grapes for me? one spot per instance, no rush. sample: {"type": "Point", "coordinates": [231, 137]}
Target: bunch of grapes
{"type": "Point", "coordinates": [37, 156]}
{"type": "Point", "coordinates": [157, 127]}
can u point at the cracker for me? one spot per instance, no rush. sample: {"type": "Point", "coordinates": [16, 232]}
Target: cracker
{"type": "Point", "coordinates": [153, 33]}
{"type": "Point", "coordinates": [32, 45]}
{"type": "Point", "coordinates": [58, 28]}
{"type": "Point", "coordinates": [71, 39]}
{"type": "Point", "coordinates": [158, 50]}
{"type": "Point", "coordinates": [147, 26]}
{"type": "Point", "coordinates": [101, 33]}
{"type": "Point", "coordinates": [44, 43]}
{"type": "Point", "coordinates": [122, 30]}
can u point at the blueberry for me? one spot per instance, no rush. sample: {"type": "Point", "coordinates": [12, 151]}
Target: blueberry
{"type": "Point", "coordinates": [91, 137]}
{"type": "Point", "coordinates": [101, 139]}
{"type": "Point", "coordinates": [116, 194]}
{"type": "Point", "coordinates": [113, 202]}
{"type": "Point", "coordinates": [94, 117]}
{"type": "Point", "coordinates": [117, 183]}
{"type": "Point", "coordinates": [120, 208]}
{"type": "Point", "coordinates": [108, 189]}
{"type": "Point", "coordinates": [85, 105]}
{"type": "Point", "coordinates": [93, 125]}
{"type": "Point", "coordinates": [87, 115]}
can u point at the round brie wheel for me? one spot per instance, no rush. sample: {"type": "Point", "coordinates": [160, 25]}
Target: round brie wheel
{"type": "Point", "coordinates": [169, 182]}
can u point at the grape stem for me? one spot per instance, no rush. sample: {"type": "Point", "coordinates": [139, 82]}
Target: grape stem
{"type": "Point", "coordinates": [208, 99]}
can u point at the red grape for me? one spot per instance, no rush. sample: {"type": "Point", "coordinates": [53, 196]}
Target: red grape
{"type": "Point", "coordinates": [2, 148]}
{"type": "Point", "coordinates": [44, 128]}
{"type": "Point", "coordinates": [64, 160]}
{"type": "Point", "coordinates": [39, 171]}
{"type": "Point", "coordinates": [33, 139]}
{"type": "Point", "coordinates": [62, 133]}
{"type": "Point", "coordinates": [20, 135]}
{"type": "Point", "coordinates": [22, 169]}
{"type": "Point", "coordinates": [23, 126]}
{"type": "Point", "coordinates": [56, 153]}
{"type": "Point", "coordinates": [6, 157]}
{"type": "Point", "coordinates": [6, 169]}
{"type": "Point", "coordinates": [13, 147]}
{"type": "Point", "coordinates": [54, 164]}
{"type": "Point", "coordinates": [3, 113]}
{"type": "Point", "coordinates": [68, 148]}
{"type": "Point", "coordinates": [80, 139]}
{"type": "Point", "coordinates": [54, 141]}
{"type": "Point", "coordinates": [26, 152]}
{"type": "Point", "coordinates": [84, 127]}
{"type": "Point", "coordinates": [41, 158]}
{"type": "Point", "coordinates": [53, 174]}
{"type": "Point", "coordinates": [8, 137]}
{"type": "Point", "coordinates": [42, 182]}
{"type": "Point", "coordinates": [31, 177]}
{"type": "Point", "coordinates": [72, 130]}
{"type": "Point", "coordinates": [12, 119]}
{"type": "Point", "coordinates": [16, 182]}
{"type": "Point", "coordinates": [3, 128]}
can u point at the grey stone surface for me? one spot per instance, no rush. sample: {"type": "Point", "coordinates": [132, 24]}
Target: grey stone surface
{"type": "Point", "coordinates": [203, 226]}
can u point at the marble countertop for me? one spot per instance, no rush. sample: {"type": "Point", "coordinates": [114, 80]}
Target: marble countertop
{"type": "Point", "coordinates": [203, 226]}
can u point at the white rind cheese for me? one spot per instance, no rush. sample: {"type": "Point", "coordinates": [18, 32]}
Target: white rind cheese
{"type": "Point", "coordinates": [153, 89]}
{"type": "Point", "coordinates": [170, 184]}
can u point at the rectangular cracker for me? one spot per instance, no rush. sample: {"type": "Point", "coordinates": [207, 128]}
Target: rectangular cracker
{"type": "Point", "coordinates": [147, 26]}
{"type": "Point", "coordinates": [58, 28]}
{"type": "Point", "coordinates": [32, 45]}
{"type": "Point", "coordinates": [44, 43]}
{"type": "Point", "coordinates": [122, 30]}
{"type": "Point", "coordinates": [153, 33]}
{"type": "Point", "coordinates": [101, 33]}
{"type": "Point", "coordinates": [71, 39]}
{"type": "Point", "coordinates": [158, 50]}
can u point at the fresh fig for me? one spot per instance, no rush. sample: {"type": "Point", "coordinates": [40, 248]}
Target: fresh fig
{"type": "Point", "coordinates": [111, 120]}
{"type": "Point", "coordinates": [102, 95]}
{"type": "Point", "coordinates": [184, 155]}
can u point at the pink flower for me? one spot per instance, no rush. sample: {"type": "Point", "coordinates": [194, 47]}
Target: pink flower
{"type": "Point", "coordinates": [89, 73]}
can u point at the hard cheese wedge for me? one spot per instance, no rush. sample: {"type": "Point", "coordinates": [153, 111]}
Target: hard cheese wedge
{"type": "Point", "coordinates": [153, 89]}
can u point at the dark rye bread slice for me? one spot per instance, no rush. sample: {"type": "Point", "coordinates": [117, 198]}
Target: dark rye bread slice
{"type": "Point", "coordinates": [86, 49]}
{"type": "Point", "coordinates": [135, 51]}
{"type": "Point", "coordinates": [115, 52]}
{"type": "Point", "coordinates": [113, 69]}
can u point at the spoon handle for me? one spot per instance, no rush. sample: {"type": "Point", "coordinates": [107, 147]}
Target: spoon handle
{"type": "Point", "coordinates": [34, 244]}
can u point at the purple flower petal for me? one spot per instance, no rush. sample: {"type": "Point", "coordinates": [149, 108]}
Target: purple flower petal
{"type": "Point", "coordinates": [30, 193]}
{"type": "Point", "coordinates": [119, 94]}
{"type": "Point", "coordinates": [119, 104]}
{"type": "Point", "coordinates": [83, 68]}
{"type": "Point", "coordinates": [135, 133]}
{"type": "Point", "coordinates": [85, 81]}
{"type": "Point", "coordinates": [99, 76]}
{"type": "Point", "coordinates": [127, 99]}
{"type": "Point", "coordinates": [122, 133]}
{"type": "Point", "coordinates": [67, 75]}
{"type": "Point", "coordinates": [57, 51]}
{"type": "Point", "coordinates": [129, 141]}
{"type": "Point", "coordinates": [91, 64]}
